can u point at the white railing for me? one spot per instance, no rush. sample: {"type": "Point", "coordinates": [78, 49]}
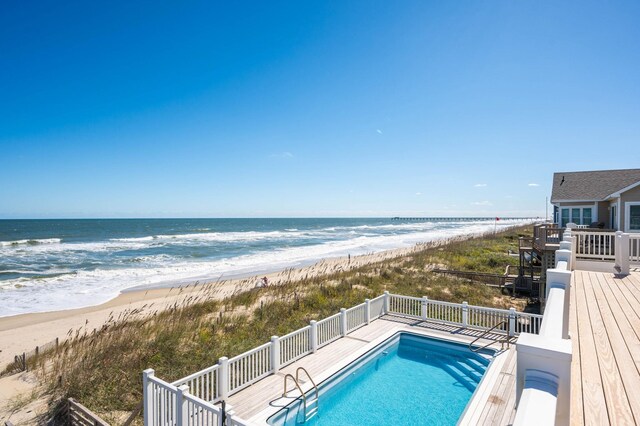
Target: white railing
{"type": "Point", "coordinates": [294, 346]}
{"type": "Point", "coordinates": [451, 313]}
{"type": "Point", "coordinates": [160, 401]}
{"type": "Point", "coordinates": [481, 317]}
{"type": "Point", "coordinates": [634, 248]}
{"type": "Point", "coordinates": [356, 317]}
{"type": "Point", "coordinates": [203, 384]}
{"type": "Point", "coordinates": [595, 245]}
{"type": "Point", "coordinates": [329, 330]}
{"type": "Point", "coordinates": [405, 305]}
{"type": "Point", "coordinates": [249, 367]}
{"type": "Point", "coordinates": [528, 323]}
{"type": "Point", "coordinates": [376, 307]}
{"type": "Point", "coordinates": [189, 401]}
{"type": "Point", "coordinates": [197, 412]}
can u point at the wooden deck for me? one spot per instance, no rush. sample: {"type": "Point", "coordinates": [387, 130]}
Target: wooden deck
{"type": "Point", "coordinates": [257, 402]}
{"type": "Point", "coordinates": [605, 334]}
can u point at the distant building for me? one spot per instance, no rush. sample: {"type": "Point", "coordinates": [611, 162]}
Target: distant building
{"type": "Point", "coordinates": [604, 198]}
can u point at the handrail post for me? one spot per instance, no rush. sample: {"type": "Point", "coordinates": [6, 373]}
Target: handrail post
{"type": "Point", "coordinates": [386, 303]}
{"type": "Point", "coordinates": [147, 387]}
{"type": "Point", "coordinates": [313, 336]}
{"type": "Point", "coordinates": [181, 406]}
{"type": "Point", "coordinates": [512, 322]}
{"type": "Point", "coordinates": [465, 314]}
{"type": "Point", "coordinates": [275, 354]}
{"type": "Point", "coordinates": [223, 378]}
{"type": "Point", "coordinates": [425, 304]}
{"type": "Point", "coordinates": [343, 321]}
{"type": "Point", "coordinates": [367, 311]}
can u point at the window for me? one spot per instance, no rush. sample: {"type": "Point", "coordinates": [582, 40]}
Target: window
{"type": "Point", "coordinates": [586, 216]}
{"type": "Point", "coordinates": [565, 218]}
{"type": "Point", "coordinates": [633, 214]}
{"type": "Point", "coordinates": [580, 215]}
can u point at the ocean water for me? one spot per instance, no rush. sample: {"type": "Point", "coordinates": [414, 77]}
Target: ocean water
{"type": "Point", "coordinates": [49, 265]}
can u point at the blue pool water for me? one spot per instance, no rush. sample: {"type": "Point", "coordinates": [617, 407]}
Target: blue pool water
{"type": "Point", "coordinates": [409, 380]}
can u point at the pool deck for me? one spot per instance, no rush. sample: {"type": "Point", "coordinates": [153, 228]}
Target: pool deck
{"type": "Point", "coordinates": [493, 402]}
{"type": "Point", "coordinates": [605, 334]}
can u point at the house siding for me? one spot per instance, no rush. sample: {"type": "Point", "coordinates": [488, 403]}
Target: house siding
{"type": "Point", "coordinates": [630, 195]}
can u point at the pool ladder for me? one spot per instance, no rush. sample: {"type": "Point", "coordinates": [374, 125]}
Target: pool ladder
{"type": "Point", "coordinates": [310, 406]}
{"type": "Point", "coordinates": [502, 341]}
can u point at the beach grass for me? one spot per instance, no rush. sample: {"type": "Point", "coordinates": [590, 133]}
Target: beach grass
{"type": "Point", "coordinates": [103, 368]}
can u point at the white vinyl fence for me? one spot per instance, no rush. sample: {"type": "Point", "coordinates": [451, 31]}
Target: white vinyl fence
{"type": "Point", "coordinates": [192, 400]}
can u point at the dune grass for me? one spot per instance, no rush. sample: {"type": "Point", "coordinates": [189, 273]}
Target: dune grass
{"type": "Point", "coordinates": [102, 368]}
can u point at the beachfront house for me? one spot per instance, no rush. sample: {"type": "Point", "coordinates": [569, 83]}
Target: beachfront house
{"type": "Point", "coordinates": [603, 198]}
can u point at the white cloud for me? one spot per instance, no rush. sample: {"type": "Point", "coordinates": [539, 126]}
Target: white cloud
{"type": "Point", "coordinates": [418, 193]}
{"type": "Point", "coordinates": [481, 203]}
{"type": "Point", "coordinates": [379, 131]}
{"type": "Point", "coordinates": [480, 185]}
{"type": "Point", "coordinates": [284, 154]}
{"type": "Point", "coordinates": [534, 184]}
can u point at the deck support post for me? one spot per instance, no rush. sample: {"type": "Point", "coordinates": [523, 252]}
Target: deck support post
{"type": "Point", "coordinates": [181, 406]}
{"type": "Point", "coordinates": [425, 305]}
{"type": "Point", "coordinates": [275, 354]}
{"type": "Point", "coordinates": [465, 314]}
{"type": "Point", "coordinates": [385, 309]}
{"type": "Point", "coordinates": [343, 321]}
{"type": "Point", "coordinates": [147, 399]}
{"type": "Point", "coordinates": [223, 378]}
{"type": "Point", "coordinates": [313, 336]}
{"type": "Point", "coordinates": [512, 322]}
{"type": "Point", "coordinates": [367, 311]}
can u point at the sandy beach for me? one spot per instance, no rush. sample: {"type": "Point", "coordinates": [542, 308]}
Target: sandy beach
{"type": "Point", "coordinates": [22, 333]}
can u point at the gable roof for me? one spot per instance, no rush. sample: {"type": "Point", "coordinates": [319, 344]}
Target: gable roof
{"type": "Point", "coordinates": [591, 186]}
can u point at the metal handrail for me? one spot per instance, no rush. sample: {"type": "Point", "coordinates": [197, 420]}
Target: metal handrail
{"type": "Point", "coordinates": [315, 387]}
{"type": "Point", "coordinates": [502, 342]}
{"type": "Point", "coordinates": [304, 397]}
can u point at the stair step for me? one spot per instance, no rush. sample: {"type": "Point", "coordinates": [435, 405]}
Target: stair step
{"type": "Point", "coordinates": [469, 371]}
{"type": "Point", "coordinates": [476, 365]}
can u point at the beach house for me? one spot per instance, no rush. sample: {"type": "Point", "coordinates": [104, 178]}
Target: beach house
{"type": "Point", "coordinates": [603, 198]}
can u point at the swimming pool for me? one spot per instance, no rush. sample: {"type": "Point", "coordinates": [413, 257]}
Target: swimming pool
{"type": "Point", "coordinates": [407, 380]}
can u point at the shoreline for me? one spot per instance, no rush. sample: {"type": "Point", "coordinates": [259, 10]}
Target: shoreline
{"type": "Point", "coordinates": [23, 332]}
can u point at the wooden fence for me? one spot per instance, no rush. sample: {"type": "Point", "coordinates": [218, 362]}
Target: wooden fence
{"type": "Point", "coordinates": [79, 415]}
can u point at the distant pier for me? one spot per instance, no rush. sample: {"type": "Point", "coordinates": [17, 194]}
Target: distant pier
{"type": "Point", "coordinates": [458, 219]}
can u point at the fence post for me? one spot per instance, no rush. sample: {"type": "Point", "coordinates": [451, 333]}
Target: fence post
{"type": "Point", "coordinates": [275, 354]}
{"type": "Point", "coordinates": [386, 303]}
{"type": "Point", "coordinates": [512, 322]}
{"type": "Point", "coordinates": [223, 378]}
{"type": "Point", "coordinates": [465, 314]}
{"type": "Point", "coordinates": [181, 406]}
{"type": "Point", "coordinates": [367, 311]}
{"type": "Point", "coordinates": [424, 302]}
{"type": "Point", "coordinates": [622, 252]}
{"type": "Point", "coordinates": [313, 336]}
{"type": "Point", "coordinates": [343, 321]}
{"type": "Point", "coordinates": [147, 389]}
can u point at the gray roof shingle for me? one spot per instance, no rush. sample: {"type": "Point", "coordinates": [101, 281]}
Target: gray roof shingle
{"type": "Point", "coordinates": [591, 186]}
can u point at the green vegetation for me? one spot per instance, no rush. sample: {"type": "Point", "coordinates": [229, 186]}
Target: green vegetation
{"type": "Point", "coordinates": [102, 368]}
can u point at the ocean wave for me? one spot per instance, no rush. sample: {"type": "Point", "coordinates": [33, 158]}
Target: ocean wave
{"type": "Point", "coordinates": [31, 242]}
{"type": "Point", "coordinates": [89, 287]}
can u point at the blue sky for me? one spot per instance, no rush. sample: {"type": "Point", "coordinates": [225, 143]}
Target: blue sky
{"type": "Point", "coordinates": [182, 109]}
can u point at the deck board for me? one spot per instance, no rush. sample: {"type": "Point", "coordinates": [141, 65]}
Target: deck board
{"type": "Point", "coordinates": [605, 332]}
